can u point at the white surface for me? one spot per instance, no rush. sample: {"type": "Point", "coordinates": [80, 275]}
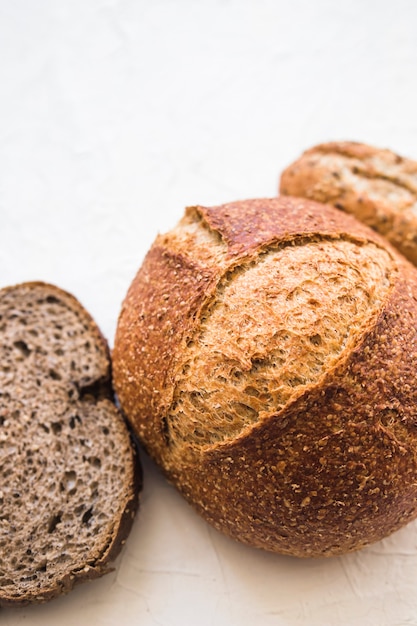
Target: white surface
{"type": "Point", "coordinates": [114, 115]}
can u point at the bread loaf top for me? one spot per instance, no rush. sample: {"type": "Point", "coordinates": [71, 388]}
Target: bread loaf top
{"type": "Point", "coordinates": [265, 355]}
{"type": "Point", "coordinates": [210, 250]}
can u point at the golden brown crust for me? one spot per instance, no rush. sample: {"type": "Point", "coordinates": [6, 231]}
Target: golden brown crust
{"type": "Point", "coordinates": [378, 186]}
{"type": "Point", "coordinates": [247, 226]}
{"type": "Point", "coordinates": [333, 471]}
{"type": "Point", "coordinates": [311, 478]}
{"type": "Point", "coordinates": [156, 317]}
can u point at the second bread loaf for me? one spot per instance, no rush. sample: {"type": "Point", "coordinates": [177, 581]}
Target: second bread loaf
{"type": "Point", "coordinates": [376, 185]}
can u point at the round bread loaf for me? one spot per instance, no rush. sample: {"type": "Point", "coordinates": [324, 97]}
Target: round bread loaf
{"type": "Point", "coordinates": [265, 355]}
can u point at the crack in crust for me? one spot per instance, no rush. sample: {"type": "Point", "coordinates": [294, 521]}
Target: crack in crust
{"type": "Point", "coordinates": [273, 327]}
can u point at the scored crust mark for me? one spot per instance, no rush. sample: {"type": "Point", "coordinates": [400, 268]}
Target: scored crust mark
{"type": "Point", "coordinates": [66, 461]}
{"type": "Point", "coordinates": [274, 326]}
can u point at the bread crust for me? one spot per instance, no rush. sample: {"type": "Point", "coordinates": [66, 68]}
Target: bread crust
{"type": "Point", "coordinates": [335, 468]}
{"type": "Point", "coordinates": [98, 387]}
{"type": "Point", "coordinates": [376, 185]}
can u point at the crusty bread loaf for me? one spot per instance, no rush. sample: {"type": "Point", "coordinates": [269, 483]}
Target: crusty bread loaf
{"type": "Point", "coordinates": [376, 185]}
{"type": "Point", "coordinates": [265, 355]}
{"type": "Point", "coordinates": [69, 473]}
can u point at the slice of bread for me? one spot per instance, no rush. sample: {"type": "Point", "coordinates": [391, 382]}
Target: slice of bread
{"type": "Point", "coordinates": [69, 474]}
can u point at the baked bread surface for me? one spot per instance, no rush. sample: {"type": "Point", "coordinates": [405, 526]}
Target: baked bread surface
{"type": "Point", "coordinates": [69, 473]}
{"type": "Point", "coordinates": [376, 185]}
{"type": "Point", "coordinates": [265, 356]}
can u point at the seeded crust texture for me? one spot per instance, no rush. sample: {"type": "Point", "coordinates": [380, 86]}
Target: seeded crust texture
{"type": "Point", "coordinates": [69, 476]}
{"type": "Point", "coordinates": [265, 355]}
{"type": "Point", "coordinates": [378, 186]}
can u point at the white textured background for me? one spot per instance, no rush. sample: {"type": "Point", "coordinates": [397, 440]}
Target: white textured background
{"type": "Point", "coordinates": [114, 115]}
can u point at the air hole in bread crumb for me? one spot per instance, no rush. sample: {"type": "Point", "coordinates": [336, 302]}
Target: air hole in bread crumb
{"type": "Point", "coordinates": [26, 579]}
{"type": "Point", "coordinates": [315, 340]}
{"type": "Point", "coordinates": [73, 421]}
{"type": "Point", "coordinates": [54, 521]}
{"type": "Point", "coordinates": [54, 375]}
{"type": "Point", "coordinates": [51, 300]}
{"type": "Point", "coordinates": [70, 481]}
{"type": "Point", "coordinates": [56, 427]}
{"type": "Point", "coordinates": [87, 516]}
{"type": "Point", "coordinates": [23, 347]}
{"type": "Point", "coordinates": [252, 391]}
{"type": "Point", "coordinates": [195, 398]}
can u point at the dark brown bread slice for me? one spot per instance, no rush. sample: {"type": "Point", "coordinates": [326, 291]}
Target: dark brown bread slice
{"type": "Point", "coordinates": [376, 185]}
{"type": "Point", "coordinates": [69, 474]}
{"type": "Point", "coordinates": [266, 354]}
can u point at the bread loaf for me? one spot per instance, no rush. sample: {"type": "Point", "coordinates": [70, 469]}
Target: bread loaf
{"type": "Point", "coordinates": [69, 473]}
{"type": "Point", "coordinates": [265, 355]}
{"type": "Point", "coordinates": [378, 186]}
